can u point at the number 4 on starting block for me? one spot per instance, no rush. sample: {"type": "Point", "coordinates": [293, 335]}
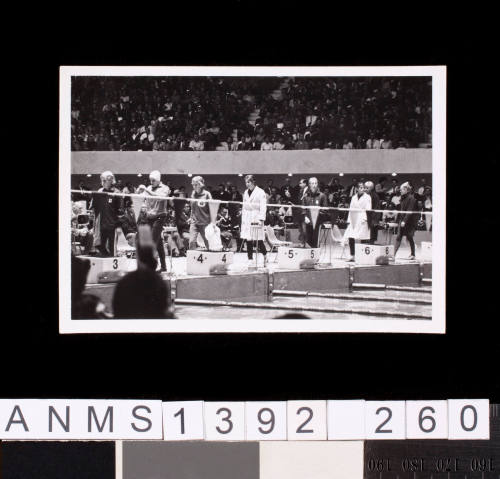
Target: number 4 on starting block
{"type": "Point", "coordinates": [200, 262]}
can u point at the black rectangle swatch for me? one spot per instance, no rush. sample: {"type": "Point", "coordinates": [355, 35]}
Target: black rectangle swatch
{"type": "Point", "coordinates": [57, 460]}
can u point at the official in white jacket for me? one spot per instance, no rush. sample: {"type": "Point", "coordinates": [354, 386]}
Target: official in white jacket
{"type": "Point", "coordinates": [253, 216]}
{"type": "Point", "coordinates": [358, 228]}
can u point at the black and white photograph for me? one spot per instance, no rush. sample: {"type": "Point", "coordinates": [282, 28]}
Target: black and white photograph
{"type": "Point", "coordinates": [252, 199]}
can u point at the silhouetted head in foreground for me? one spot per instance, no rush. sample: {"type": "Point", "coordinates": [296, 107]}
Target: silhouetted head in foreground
{"type": "Point", "coordinates": [142, 294]}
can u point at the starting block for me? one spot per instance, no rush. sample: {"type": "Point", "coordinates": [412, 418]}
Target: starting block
{"type": "Point", "coordinates": [99, 265]}
{"type": "Point", "coordinates": [203, 262]}
{"type": "Point", "coordinates": [426, 250]}
{"type": "Point", "coordinates": [297, 258]}
{"type": "Point", "coordinates": [373, 254]}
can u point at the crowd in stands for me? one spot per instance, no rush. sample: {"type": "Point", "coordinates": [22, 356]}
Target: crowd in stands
{"type": "Point", "coordinates": [209, 113]}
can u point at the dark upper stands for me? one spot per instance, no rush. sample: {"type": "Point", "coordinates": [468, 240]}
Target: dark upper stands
{"type": "Point", "coordinates": [183, 113]}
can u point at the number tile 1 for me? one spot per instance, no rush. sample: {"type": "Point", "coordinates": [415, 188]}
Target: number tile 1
{"type": "Point", "coordinates": [183, 420]}
{"type": "Point", "coordinates": [306, 420]}
{"type": "Point", "coordinates": [468, 419]}
{"type": "Point", "coordinates": [224, 421]}
{"type": "Point", "coordinates": [266, 421]}
{"type": "Point", "coordinates": [385, 420]}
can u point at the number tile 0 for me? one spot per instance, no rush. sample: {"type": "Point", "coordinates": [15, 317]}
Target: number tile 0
{"type": "Point", "coordinates": [468, 419]}
{"type": "Point", "coordinates": [306, 420]}
{"type": "Point", "coordinates": [385, 420]}
{"type": "Point", "coordinates": [224, 421]}
{"type": "Point", "coordinates": [266, 420]}
{"type": "Point", "coordinates": [183, 421]}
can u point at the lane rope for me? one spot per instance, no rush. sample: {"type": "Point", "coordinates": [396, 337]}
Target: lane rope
{"type": "Point", "coordinates": [176, 198]}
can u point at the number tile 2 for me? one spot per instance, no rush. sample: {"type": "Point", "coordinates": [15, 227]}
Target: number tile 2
{"type": "Point", "coordinates": [266, 421]}
{"type": "Point", "coordinates": [427, 419]}
{"type": "Point", "coordinates": [306, 420]}
{"type": "Point", "coordinates": [385, 420]}
{"type": "Point", "coordinates": [224, 421]}
{"type": "Point", "coordinates": [183, 420]}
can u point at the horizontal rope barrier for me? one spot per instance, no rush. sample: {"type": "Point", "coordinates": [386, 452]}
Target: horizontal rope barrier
{"type": "Point", "coordinates": [360, 297]}
{"type": "Point", "coordinates": [203, 200]}
{"type": "Point", "coordinates": [390, 287]}
{"type": "Point", "coordinates": [239, 304]}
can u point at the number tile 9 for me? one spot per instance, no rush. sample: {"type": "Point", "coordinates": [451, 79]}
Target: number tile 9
{"type": "Point", "coordinates": [224, 421]}
{"type": "Point", "coordinates": [266, 421]}
{"type": "Point", "coordinates": [385, 420]}
{"type": "Point", "coordinates": [183, 420]}
{"type": "Point", "coordinates": [306, 420]}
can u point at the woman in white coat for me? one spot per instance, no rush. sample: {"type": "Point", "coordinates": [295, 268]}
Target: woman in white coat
{"type": "Point", "coordinates": [253, 216]}
{"type": "Point", "coordinates": [358, 221]}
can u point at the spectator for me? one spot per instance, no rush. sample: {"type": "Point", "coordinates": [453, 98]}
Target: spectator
{"type": "Point", "coordinates": [335, 186]}
{"type": "Point", "coordinates": [287, 190]}
{"type": "Point", "coordinates": [196, 144]}
{"type": "Point", "coordinates": [268, 188]}
{"type": "Point", "coordinates": [182, 221]}
{"type": "Point", "coordinates": [347, 145]}
{"type": "Point", "coordinates": [222, 194]}
{"type": "Point", "coordinates": [380, 188]}
{"type": "Point", "coordinates": [353, 188]}
{"type": "Point", "coordinates": [266, 145]}
{"type": "Point", "coordinates": [301, 144]}
{"type": "Point", "coordinates": [275, 197]}
{"type": "Point", "coordinates": [278, 144]}
{"type": "Point", "coordinates": [373, 217]}
{"type": "Point", "coordinates": [142, 294]}
{"type": "Point", "coordinates": [224, 223]}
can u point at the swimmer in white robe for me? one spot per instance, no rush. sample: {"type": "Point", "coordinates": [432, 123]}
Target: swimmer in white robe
{"type": "Point", "coordinates": [358, 222]}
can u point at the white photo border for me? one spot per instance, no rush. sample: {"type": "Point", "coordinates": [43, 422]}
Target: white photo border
{"type": "Point", "coordinates": [436, 326]}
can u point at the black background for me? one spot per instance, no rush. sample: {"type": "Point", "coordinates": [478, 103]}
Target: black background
{"type": "Point", "coordinates": [38, 362]}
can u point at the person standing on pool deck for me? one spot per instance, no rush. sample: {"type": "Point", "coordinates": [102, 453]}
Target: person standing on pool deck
{"type": "Point", "coordinates": [156, 211]}
{"type": "Point", "coordinates": [373, 217]}
{"type": "Point", "coordinates": [200, 212]}
{"type": "Point", "coordinates": [253, 216]}
{"type": "Point", "coordinates": [358, 221]}
{"type": "Point", "coordinates": [313, 197]}
{"type": "Point", "coordinates": [407, 221]}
